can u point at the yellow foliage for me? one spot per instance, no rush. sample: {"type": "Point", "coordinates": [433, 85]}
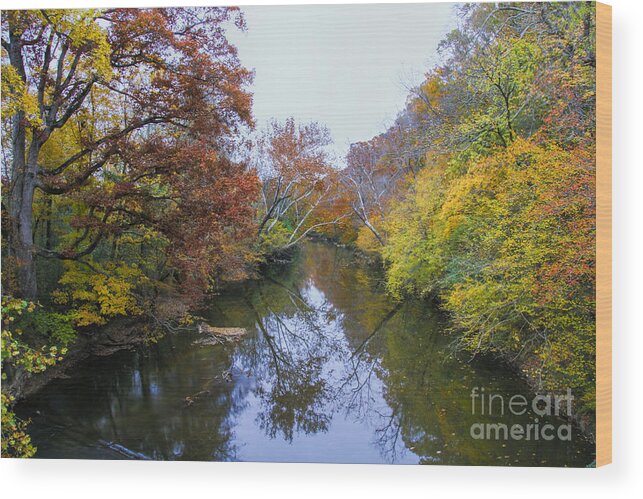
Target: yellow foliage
{"type": "Point", "coordinates": [16, 96]}
{"type": "Point", "coordinates": [100, 292]}
{"type": "Point", "coordinates": [83, 30]}
{"type": "Point", "coordinates": [366, 240]}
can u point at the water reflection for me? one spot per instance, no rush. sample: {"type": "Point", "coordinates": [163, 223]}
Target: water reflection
{"type": "Point", "coordinates": [332, 371]}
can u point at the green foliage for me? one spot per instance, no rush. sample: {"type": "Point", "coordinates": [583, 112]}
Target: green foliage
{"type": "Point", "coordinates": [32, 340]}
{"type": "Point", "coordinates": [49, 326]}
{"type": "Point", "coordinates": [32, 351]}
{"type": "Point", "coordinates": [15, 441]}
{"type": "Point", "coordinates": [275, 239]}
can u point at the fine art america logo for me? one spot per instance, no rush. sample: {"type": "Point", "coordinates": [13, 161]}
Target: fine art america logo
{"type": "Point", "coordinates": [497, 406]}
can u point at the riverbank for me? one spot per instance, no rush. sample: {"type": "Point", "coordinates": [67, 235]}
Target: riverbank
{"type": "Point", "coordinates": [118, 334]}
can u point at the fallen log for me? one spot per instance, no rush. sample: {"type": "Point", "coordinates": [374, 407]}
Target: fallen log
{"type": "Point", "coordinates": [218, 335]}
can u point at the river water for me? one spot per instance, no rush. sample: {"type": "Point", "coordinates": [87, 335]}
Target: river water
{"type": "Point", "coordinates": [332, 370]}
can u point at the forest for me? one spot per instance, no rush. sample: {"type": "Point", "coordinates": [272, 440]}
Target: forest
{"type": "Point", "coordinates": [136, 185]}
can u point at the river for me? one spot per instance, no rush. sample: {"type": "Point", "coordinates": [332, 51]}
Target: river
{"type": "Point", "coordinates": [332, 370]}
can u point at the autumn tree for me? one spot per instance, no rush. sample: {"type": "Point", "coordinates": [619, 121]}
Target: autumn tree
{"type": "Point", "coordinates": [366, 185]}
{"type": "Point", "coordinates": [133, 115]}
{"type": "Point", "coordinates": [374, 171]}
{"type": "Point", "coordinates": [296, 175]}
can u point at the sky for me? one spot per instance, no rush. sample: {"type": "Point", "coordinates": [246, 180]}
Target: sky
{"type": "Point", "coordinates": [348, 67]}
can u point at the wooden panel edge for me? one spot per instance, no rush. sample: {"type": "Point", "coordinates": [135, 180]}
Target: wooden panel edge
{"type": "Point", "coordinates": [603, 234]}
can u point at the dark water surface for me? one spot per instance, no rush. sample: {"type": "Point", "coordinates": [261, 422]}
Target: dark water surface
{"type": "Point", "coordinates": [332, 370]}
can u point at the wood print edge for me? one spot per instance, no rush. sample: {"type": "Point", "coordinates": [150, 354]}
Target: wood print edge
{"type": "Point", "coordinates": [603, 234]}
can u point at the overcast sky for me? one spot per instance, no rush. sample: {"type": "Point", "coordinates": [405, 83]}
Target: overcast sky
{"type": "Point", "coordinates": [345, 66]}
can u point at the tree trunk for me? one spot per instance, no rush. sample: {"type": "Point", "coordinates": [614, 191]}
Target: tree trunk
{"type": "Point", "coordinates": [23, 180]}
{"type": "Point", "coordinates": [22, 220]}
{"type": "Point", "coordinates": [48, 236]}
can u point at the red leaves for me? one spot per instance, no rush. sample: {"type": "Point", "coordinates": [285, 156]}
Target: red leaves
{"type": "Point", "coordinates": [209, 223]}
{"type": "Point", "coordinates": [181, 184]}
{"type": "Point", "coordinates": [194, 72]}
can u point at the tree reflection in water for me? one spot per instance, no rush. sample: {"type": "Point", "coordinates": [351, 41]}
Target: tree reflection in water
{"type": "Point", "coordinates": [293, 389]}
